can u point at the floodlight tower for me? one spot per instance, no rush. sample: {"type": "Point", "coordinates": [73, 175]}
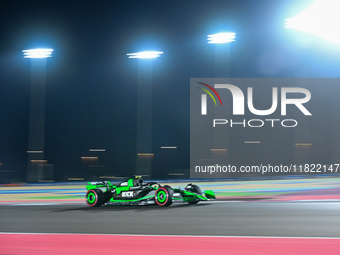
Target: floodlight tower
{"type": "Point", "coordinates": [36, 139]}
{"type": "Point", "coordinates": [320, 19]}
{"type": "Point", "coordinates": [221, 141]}
{"type": "Point", "coordinates": [222, 52]}
{"type": "Point", "coordinates": [144, 152]}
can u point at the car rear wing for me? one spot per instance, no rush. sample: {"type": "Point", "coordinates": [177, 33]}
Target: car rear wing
{"type": "Point", "coordinates": [96, 185]}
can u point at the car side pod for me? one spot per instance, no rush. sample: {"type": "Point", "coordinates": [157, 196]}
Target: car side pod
{"type": "Point", "coordinates": [209, 194]}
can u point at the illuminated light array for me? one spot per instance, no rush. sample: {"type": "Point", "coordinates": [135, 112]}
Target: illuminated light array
{"type": "Point", "coordinates": [252, 141]}
{"type": "Point", "coordinates": [38, 53]}
{"type": "Point", "coordinates": [221, 38]}
{"type": "Point", "coordinates": [75, 179]}
{"type": "Point", "coordinates": [222, 150]}
{"type": "Point", "coordinates": [97, 150]}
{"type": "Point", "coordinates": [303, 144]}
{"type": "Point", "coordinates": [39, 161]}
{"type": "Point", "coordinates": [168, 147]}
{"type": "Point", "coordinates": [89, 157]}
{"type": "Point", "coordinates": [107, 177]}
{"type": "Point", "coordinates": [145, 154]}
{"type": "Point", "coordinates": [145, 54]}
{"type": "Point", "coordinates": [35, 151]}
{"type": "Point", "coordinates": [321, 18]}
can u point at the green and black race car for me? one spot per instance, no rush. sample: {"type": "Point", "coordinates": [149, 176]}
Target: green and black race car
{"type": "Point", "coordinates": [135, 191]}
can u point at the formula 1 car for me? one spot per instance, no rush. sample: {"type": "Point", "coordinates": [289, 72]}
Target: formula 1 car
{"type": "Point", "coordinates": [135, 191]}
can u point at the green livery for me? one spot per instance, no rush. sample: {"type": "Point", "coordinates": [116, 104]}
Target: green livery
{"type": "Point", "coordinates": [136, 191]}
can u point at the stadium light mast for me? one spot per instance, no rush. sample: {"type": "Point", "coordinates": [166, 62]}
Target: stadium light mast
{"type": "Point", "coordinates": [222, 52]}
{"type": "Point", "coordinates": [36, 139]}
{"type": "Point", "coordinates": [144, 152]}
{"type": "Point", "coordinates": [222, 42]}
{"type": "Point", "coordinates": [322, 20]}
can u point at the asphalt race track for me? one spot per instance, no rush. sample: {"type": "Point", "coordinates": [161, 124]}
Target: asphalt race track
{"type": "Point", "coordinates": [270, 219]}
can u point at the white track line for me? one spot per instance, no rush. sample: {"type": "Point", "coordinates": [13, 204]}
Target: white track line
{"type": "Point", "coordinates": [132, 235]}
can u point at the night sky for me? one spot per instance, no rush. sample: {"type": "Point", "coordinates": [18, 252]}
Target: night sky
{"type": "Point", "coordinates": [91, 84]}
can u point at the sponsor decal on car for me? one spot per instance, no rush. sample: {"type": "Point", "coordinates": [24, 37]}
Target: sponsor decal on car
{"type": "Point", "coordinates": [127, 194]}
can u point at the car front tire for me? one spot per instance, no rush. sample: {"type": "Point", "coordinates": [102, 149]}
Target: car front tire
{"type": "Point", "coordinates": [163, 196]}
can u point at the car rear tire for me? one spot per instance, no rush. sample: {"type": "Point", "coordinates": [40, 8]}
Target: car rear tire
{"type": "Point", "coordinates": [95, 197]}
{"type": "Point", "coordinates": [163, 196]}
